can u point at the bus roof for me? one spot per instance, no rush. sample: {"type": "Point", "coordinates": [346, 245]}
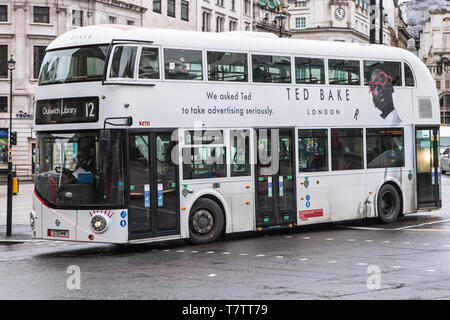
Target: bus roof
{"type": "Point", "coordinates": [231, 41]}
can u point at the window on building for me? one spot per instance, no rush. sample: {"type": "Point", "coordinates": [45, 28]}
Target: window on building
{"type": "Point", "coordinates": [247, 26]}
{"type": "Point", "coordinates": [385, 148]}
{"type": "Point", "coordinates": [392, 69]}
{"type": "Point", "coordinates": [38, 57]}
{"type": "Point", "coordinates": [344, 72]}
{"type": "Point", "coordinates": [3, 61]}
{"type": "Point", "coordinates": [233, 25]}
{"type": "Point", "coordinates": [3, 104]}
{"type": "Point", "coordinates": [77, 18]}
{"type": "Point", "coordinates": [438, 84]}
{"type": "Point", "coordinates": [313, 150]}
{"type": "Point", "coordinates": [157, 6]}
{"type": "Point", "coordinates": [346, 149]}
{"type": "Point", "coordinates": [130, 22]}
{"type": "Point", "coordinates": [233, 5]}
{"type": "Point", "coordinates": [123, 61]}
{"type": "Point", "coordinates": [183, 64]}
{"type": "Point", "coordinates": [220, 21]}
{"type": "Point", "coordinates": [149, 63]}
{"type": "Point", "coordinates": [112, 20]}
{"type": "Point", "coordinates": [447, 84]}
{"type": "Point", "coordinates": [409, 77]}
{"type": "Point", "coordinates": [3, 13]}
{"type": "Point", "coordinates": [247, 7]}
{"type": "Point", "coordinates": [206, 21]}
{"type": "Point", "coordinates": [300, 22]}
{"type": "Point", "coordinates": [240, 153]}
{"type": "Point", "coordinates": [184, 10]}
{"type": "Point", "coordinates": [41, 14]}
{"type": "Point", "coordinates": [219, 3]}
{"type": "Point", "coordinates": [274, 69]}
{"type": "Point", "coordinates": [309, 70]}
{"type": "Point", "coordinates": [300, 3]}
{"type": "Point", "coordinates": [227, 66]}
{"type": "Point", "coordinates": [171, 8]}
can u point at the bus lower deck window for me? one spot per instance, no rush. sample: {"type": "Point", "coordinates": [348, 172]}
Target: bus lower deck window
{"type": "Point", "coordinates": [347, 149]}
{"type": "Point", "coordinates": [313, 150]}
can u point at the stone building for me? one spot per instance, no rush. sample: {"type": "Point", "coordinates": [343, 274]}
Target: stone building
{"type": "Point", "coordinates": [435, 53]}
{"type": "Point", "coordinates": [26, 28]}
{"type": "Point", "coordinates": [224, 15]}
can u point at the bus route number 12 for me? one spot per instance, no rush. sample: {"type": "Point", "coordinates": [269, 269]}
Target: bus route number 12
{"type": "Point", "coordinates": [90, 110]}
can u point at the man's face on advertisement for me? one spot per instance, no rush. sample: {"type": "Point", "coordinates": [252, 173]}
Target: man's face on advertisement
{"type": "Point", "coordinates": [381, 88]}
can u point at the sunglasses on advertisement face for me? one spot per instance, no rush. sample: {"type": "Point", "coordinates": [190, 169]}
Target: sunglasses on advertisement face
{"type": "Point", "coordinates": [381, 80]}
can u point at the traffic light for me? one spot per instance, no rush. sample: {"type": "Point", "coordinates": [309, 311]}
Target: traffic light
{"type": "Point", "coordinates": [13, 138]}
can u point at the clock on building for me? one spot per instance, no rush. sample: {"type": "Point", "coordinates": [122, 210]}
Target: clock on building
{"type": "Point", "coordinates": [339, 13]}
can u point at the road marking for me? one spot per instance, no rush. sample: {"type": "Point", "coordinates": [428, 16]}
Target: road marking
{"type": "Point", "coordinates": [180, 250]}
{"type": "Point", "coordinates": [395, 267]}
{"type": "Point", "coordinates": [226, 252]}
{"type": "Point", "coordinates": [332, 261]}
{"type": "Point", "coordinates": [243, 254]}
{"type": "Point", "coordinates": [306, 238]}
{"type": "Point", "coordinates": [260, 255]}
{"type": "Point", "coordinates": [280, 257]}
{"type": "Point", "coordinates": [329, 239]}
{"type": "Point", "coordinates": [288, 237]}
{"type": "Point", "coordinates": [369, 240]}
{"type": "Point", "coordinates": [407, 228]}
{"type": "Point", "coordinates": [361, 264]}
{"type": "Point", "coordinates": [430, 270]}
{"type": "Point", "coordinates": [212, 275]}
{"type": "Point", "coordinates": [166, 250]}
{"type": "Point", "coordinates": [426, 244]}
{"type": "Point", "coordinates": [406, 242]}
{"type": "Point", "coordinates": [386, 241]}
{"type": "Point", "coordinates": [209, 252]}
{"type": "Point", "coordinates": [351, 240]}
{"type": "Point", "coordinates": [194, 251]}
{"type": "Point", "coordinates": [304, 259]}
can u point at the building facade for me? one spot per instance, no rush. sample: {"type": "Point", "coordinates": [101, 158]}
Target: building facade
{"type": "Point", "coordinates": [224, 15]}
{"type": "Point", "coordinates": [26, 28]}
{"type": "Point", "coordinates": [435, 53]}
{"type": "Point", "coordinates": [335, 20]}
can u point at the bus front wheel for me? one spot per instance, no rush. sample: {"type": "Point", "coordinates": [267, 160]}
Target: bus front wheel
{"type": "Point", "coordinates": [388, 204]}
{"type": "Point", "coordinates": [206, 221]}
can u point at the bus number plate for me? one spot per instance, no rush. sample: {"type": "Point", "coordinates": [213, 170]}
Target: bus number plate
{"type": "Point", "coordinates": [58, 233]}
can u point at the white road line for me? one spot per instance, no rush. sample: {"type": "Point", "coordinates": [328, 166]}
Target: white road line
{"type": "Point", "coordinates": [306, 238]}
{"type": "Point", "coordinates": [332, 261]}
{"type": "Point", "coordinates": [288, 237]}
{"type": "Point", "coordinates": [303, 259]}
{"type": "Point", "coordinates": [369, 240]}
{"type": "Point", "coordinates": [361, 264]}
{"type": "Point", "coordinates": [350, 240]}
{"type": "Point", "coordinates": [329, 239]}
{"type": "Point", "coordinates": [209, 252]}
{"type": "Point", "coordinates": [243, 254]}
{"type": "Point", "coordinates": [280, 257]}
{"type": "Point", "coordinates": [386, 241]}
{"type": "Point", "coordinates": [194, 251]}
{"type": "Point", "coordinates": [212, 275]}
{"type": "Point", "coordinates": [260, 255]}
{"type": "Point", "coordinates": [426, 244]}
{"type": "Point", "coordinates": [430, 270]}
{"type": "Point", "coordinates": [226, 252]}
{"type": "Point", "coordinates": [395, 267]}
{"type": "Point", "coordinates": [406, 242]}
{"type": "Point", "coordinates": [180, 251]}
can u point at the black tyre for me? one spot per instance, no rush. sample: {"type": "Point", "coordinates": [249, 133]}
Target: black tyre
{"type": "Point", "coordinates": [206, 221]}
{"type": "Point", "coordinates": [388, 204]}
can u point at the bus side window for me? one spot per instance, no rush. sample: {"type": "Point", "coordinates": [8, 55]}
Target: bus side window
{"type": "Point", "coordinates": [240, 153]}
{"type": "Point", "coordinates": [347, 149]}
{"type": "Point", "coordinates": [344, 72]}
{"type": "Point", "coordinates": [309, 70]}
{"type": "Point", "coordinates": [183, 64]}
{"type": "Point", "coordinates": [272, 69]}
{"type": "Point", "coordinates": [391, 68]}
{"type": "Point", "coordinates": [385, 148]}
{"type": "Point", "coordinates": [123, 62]}
{"type": "Point", "coordinates": [227, 66]}
{"type": "Point", "coordinates": [149, 63]}
{"type": "Point", "coordinates": [409, 76]}
{"type": "Point", "coordinates": [313, 150]}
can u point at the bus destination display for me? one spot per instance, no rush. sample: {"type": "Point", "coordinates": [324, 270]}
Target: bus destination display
{"type": "Point", "coordinates": [69, 110]}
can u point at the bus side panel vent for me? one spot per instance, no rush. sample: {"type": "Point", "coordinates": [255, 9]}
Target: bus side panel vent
{"type": "Point", "coordinates": [425, 109]}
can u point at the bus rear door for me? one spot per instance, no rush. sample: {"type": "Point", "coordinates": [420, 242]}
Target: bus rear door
{"type": "Point", "coordinates": [427, 167]}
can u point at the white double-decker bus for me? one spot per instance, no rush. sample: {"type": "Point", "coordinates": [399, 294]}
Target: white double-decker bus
{"type": "Point", "coordinates": [150, 135]}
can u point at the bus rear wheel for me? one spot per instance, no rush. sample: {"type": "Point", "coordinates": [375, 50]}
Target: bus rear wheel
{"type": "Point", "coordinates": [206, 221]}
{"type": "Point", "coordinates": [388, 204]}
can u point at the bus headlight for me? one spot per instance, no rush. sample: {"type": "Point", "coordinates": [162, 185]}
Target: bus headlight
{"type": "Point", "coordinates": [32, 220]}
{"type": "Point", "coordinates": [98, 223]}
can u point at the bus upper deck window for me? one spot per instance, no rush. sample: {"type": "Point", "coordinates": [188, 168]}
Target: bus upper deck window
{"type": "Point", "coordinates": [123, 62]}
{"type": "Point", "coordinates": [149, 63]}
{"type": "Point", "coordinates": [344, 72]}
{"type": "Point", "coordinates": [309, 70]}
{"type": "Point", "coordinates": [273, 69]}
{"type": "Point", "coordinates": [227, 66]}
{"type": "Point", "coordinates": [392, 69]}
{"type": "Point", "coordinates": [409, 76]}
{"type": "Point", "coordinates": [183, 64]}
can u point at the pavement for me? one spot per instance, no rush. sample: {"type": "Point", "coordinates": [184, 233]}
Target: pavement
{"type": "Point", "coordinates": [22, 203]}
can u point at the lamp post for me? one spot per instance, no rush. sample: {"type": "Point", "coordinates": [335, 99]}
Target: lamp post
{"type": "Point", "coordinates": [11, 67]}
{"type": "Point", "coordinates": [281, 15]}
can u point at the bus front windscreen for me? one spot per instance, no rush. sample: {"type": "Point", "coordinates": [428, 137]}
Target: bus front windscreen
{"type": "Point", "coordinates": [73, 65]}
{"type": "Point", "coordinates": [80, 169]}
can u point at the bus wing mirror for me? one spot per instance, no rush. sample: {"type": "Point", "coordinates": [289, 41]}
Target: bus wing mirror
{"type": "Point", "coordinates": [105, 140]}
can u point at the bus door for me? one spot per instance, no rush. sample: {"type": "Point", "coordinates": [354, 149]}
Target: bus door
{"type": "Point", "coordinates": [275, 178]}
{"type": "Point", "coordinates": [153, 187]}
{"type": "Point", "coordinates": [427, 166]}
